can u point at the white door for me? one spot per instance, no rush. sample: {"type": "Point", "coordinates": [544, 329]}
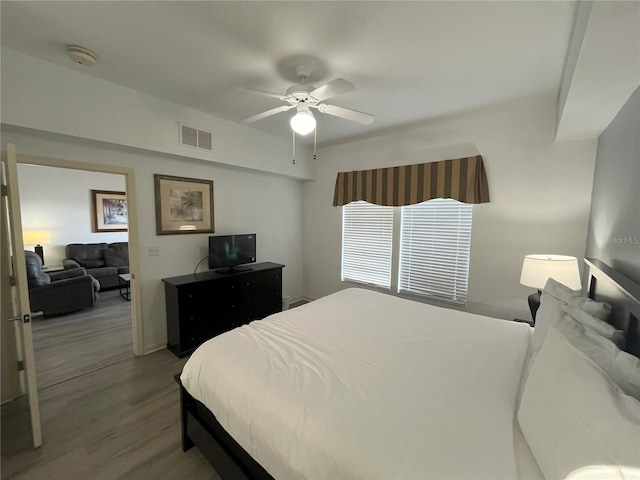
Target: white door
{"type": "Point", "coordinates": [14, 284]}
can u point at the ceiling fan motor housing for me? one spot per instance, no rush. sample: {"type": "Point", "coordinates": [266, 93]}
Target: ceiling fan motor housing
{"type": "Point", "coordinates": [304, 97]}
{"type": "Point", "coordinates": [299, 91]}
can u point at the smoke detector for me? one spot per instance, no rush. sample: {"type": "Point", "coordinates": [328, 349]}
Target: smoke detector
{"type": "Point", "coordinates": [81, 55]}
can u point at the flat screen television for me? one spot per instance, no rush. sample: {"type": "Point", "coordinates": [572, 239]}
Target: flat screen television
{"type": "Point", "coordinates": [227, 252]}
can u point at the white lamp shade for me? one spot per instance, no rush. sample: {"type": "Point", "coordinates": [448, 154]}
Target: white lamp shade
{"type": "Point", "coordinates": [36, 237]}
{"type": "Point", "coordinates": [536, 269]}
{"type": "Point", "coordinates": [303, 122]}
{"type": "Point", "coordinates": [609, 472]}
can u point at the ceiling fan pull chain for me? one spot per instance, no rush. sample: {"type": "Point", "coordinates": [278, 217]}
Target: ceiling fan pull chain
{"type": "Point", "coordinates": [315, 138]}
{"type": "Point", "coordinates": [293, 134]}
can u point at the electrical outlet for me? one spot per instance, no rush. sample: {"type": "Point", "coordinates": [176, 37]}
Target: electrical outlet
{"type": "Point", "coordinates": [153, 250]}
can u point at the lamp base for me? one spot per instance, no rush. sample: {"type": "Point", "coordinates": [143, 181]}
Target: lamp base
{"type": "Point", "coordinates": [40, 251]}
{"type": "Point", "coordinates": [534, 304]}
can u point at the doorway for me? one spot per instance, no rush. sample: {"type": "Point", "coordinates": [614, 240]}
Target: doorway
{"type": "Point", "coordinates": [15, 413]}
{"type": "Point", "coordinates": [75, 343]}
{"type": "Point", "coordinates": [126, 309]}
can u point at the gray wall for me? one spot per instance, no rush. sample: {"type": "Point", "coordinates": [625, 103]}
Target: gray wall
{"type": "Point", "coordinates": [614, 224]}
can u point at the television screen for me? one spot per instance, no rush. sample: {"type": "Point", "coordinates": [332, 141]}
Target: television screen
{"type": "Point", "coordinates": [229, 251]}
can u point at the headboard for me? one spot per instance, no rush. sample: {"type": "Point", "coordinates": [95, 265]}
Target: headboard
{"type": "Point", "coordinates": [623, 294]}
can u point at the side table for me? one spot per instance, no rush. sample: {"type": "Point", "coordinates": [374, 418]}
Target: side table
{"type": "Point", "coordinates": [124, 285]}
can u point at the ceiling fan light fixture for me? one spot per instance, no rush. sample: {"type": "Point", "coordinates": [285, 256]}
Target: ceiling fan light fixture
{"type": "Point", "coordinates": [303, 122]}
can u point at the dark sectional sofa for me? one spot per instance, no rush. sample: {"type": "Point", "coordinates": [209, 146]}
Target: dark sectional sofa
{"type": "Point", "coordinates": [102, 261]}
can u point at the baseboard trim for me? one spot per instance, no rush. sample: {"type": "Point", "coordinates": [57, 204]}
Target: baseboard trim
{"type": "Point", "coordinates": [296, 302]}
{"type": "Point", "coordinates": [154, 348]}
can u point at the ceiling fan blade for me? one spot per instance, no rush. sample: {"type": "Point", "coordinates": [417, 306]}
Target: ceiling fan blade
{"type": "Point", "coordinates": [268, 113]}
{"type": "Point", "coordinates": [331, 89]}
{"type": "Point", "coordinates": [349, 114]}
{"type": "Point", "coordinates": [261, 92]}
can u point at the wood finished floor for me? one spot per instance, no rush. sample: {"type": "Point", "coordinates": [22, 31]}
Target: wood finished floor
{"type": "Point", "coordinates": [117, 418]}
{"type": "Point", "coordinates": [70, 345]}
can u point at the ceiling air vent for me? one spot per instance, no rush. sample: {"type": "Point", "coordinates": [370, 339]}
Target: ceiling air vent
{"type": "Point", "coordinates": [192, 137]}
{"type": "Point", "coordinates": [204, 139]}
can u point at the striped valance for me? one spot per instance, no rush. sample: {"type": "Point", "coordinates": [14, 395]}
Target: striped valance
{"type": "Point", "coordinates": [463, 179]}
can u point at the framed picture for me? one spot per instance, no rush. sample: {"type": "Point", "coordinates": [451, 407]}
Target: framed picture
{"type": "Point", "coordinates": [109, 211]}
{"type": "Point", "coordinates": [183, 205]}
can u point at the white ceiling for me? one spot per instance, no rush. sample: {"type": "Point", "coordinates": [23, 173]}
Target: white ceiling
{"type": "Point", "coordinates": [411, 62]}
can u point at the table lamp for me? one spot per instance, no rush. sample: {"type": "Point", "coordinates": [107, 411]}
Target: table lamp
{"type": "Point", "coordinates": [37, 238]}
{"type": "Point", "coordinates": [536, 269]}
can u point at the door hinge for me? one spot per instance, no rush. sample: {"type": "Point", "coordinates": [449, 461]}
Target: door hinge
{"type": "Point", "coordinates": [12, 281]}
{"type": "Point", "coordinates": [20, 365]}
{"type": "Point", "coordinates": [5, 191]}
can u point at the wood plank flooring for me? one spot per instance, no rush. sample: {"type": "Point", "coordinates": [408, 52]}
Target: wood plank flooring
{"type": "Point", "coordinates": [115, 420]}
{"type": "Point", "coordinates": [78, 343]}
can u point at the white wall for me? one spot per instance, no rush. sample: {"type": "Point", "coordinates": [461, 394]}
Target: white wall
{"type": "Point", "coordinates": [44, 96]}
{"type": "Point", "coordinates": [540, 196]}
{"type": "Point", "coordinates": [540, 190]}
{"type": "Point", "coordinates": [244, 202]}
{"type": "Point", "coordinates": [57, 112]}
{"type": "Point", "coordinates": [59, 200]}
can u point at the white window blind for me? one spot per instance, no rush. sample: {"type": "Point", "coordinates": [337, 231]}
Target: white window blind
{"type": "Point", "coordinates": [435, 244]}
{"type": "Point", "coordinates": [367, 236]}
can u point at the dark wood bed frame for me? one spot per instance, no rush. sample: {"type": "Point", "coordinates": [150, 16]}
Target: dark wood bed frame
{"type": "Point", "coordinates": [231, 461]}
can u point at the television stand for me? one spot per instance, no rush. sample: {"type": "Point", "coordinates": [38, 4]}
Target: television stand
{"type": "Point", "coordinates": [231, 270]}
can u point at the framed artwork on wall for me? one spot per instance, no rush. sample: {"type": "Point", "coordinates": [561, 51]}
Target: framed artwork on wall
{"type": "Point", "coordinates": [183, 205]}
{"type": "Point", "coordinates": [109, 211]}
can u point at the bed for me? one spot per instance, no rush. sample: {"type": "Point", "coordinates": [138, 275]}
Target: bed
{"type": "Point", "coordinates": [366, 385]}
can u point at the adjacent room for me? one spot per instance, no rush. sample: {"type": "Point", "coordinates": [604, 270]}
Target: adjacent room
{"type": "Point", "coordinates": [320, 239]}
{"type": "Point", "coordinates": [78, 333]}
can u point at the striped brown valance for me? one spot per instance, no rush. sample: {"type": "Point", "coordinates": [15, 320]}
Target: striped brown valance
{"type": "Point", "coordinates": [463, 179]}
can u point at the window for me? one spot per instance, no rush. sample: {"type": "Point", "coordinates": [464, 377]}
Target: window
{"type": "Point", "coordinates": [367, 234]}
{"type": "Point", "coordinates": [435, 241]}
{"type": "Point", "coordinates": [432, 244]}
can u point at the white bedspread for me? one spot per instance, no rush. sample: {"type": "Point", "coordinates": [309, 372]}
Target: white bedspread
{"type": "Point", "coordinates": [365, 385]}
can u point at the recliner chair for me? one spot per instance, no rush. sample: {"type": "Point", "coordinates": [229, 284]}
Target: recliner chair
{"type": "Point", "coordinates": [59, 292]}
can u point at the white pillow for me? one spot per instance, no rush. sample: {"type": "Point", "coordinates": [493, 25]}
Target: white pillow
{"type": "Point", "coordinates": [622, 367]}
{"type": "Point", "coordinates": [600, 310]}
{"type": "Point", "coordinates": [559, 291]}
{"type": "Point", "coordinates": [551, 311]}
{"type": "Point", "coordinates": [558, 299]}
{"type": "Point", "coordinates": [595, 325]}
{"type": "Point", "coordinates": [573, 298]}
{"type": "Point", "coordinates": [573, 415]}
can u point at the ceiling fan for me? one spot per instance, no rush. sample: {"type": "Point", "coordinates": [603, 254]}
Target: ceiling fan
{"type": "Point", "coordinates": [304, 97]}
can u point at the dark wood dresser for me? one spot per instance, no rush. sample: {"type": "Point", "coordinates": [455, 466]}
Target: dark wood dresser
{"type": "Point", "coordinates": [203, 305]}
